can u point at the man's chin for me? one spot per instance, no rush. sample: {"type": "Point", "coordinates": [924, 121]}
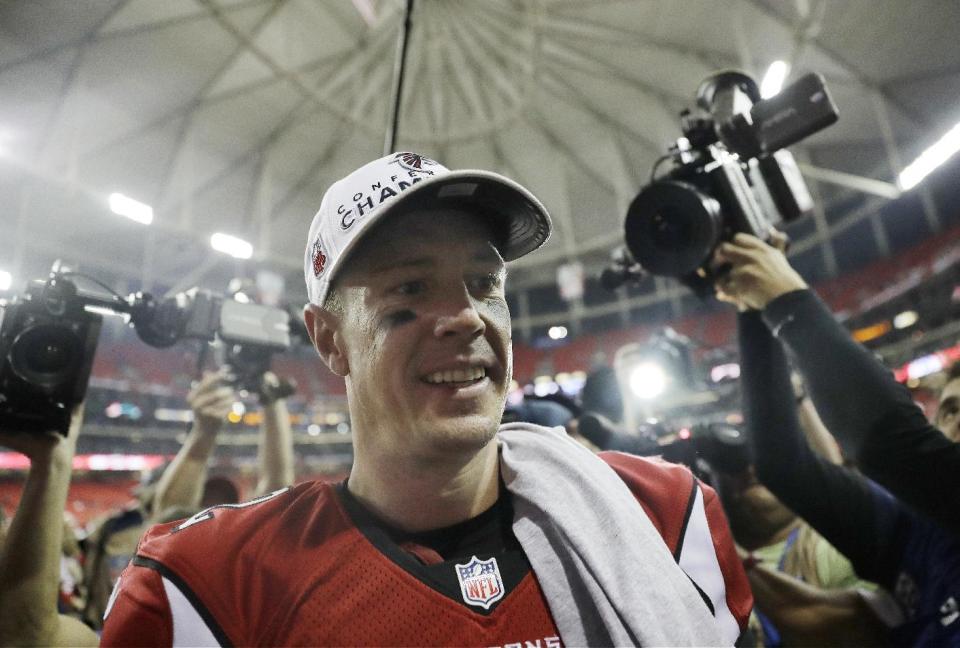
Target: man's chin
{"type": "Point", "coordinates": [463, 433]}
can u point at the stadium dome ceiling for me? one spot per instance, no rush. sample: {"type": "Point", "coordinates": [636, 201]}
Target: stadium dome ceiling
{"type": "Point", "coordinates": [234, 115]}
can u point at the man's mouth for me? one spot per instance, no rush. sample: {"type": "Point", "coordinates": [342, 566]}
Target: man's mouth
{"type": "Point", "coordinates": [457, 377]}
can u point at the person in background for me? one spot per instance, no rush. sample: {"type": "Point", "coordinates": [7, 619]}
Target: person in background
{"type": "Point", "coordinates": [908, 547]}
{"type": "Point", "coordinates": [947, 417]}
{"type": "Point", "coordinates": [182, 487]}
{"type": "Point", "coordinates": [31, 551]}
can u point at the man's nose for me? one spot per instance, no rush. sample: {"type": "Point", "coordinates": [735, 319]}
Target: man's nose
{"type": "Point", "coordinates": [458, 315]}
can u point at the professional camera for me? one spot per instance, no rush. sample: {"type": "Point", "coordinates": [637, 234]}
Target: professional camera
{"type": "Point", "coordinates": [730, 175]}
{"type": "Point", "coordinates": [47, 344]}
{"type": "Point", "coordinates": [48, 338]}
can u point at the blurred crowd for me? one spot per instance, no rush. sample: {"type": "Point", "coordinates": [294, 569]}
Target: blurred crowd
{"type": "Point", "coordinates": [839, 493]}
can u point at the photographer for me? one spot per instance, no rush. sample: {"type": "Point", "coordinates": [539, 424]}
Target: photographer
{"type": "Point", "coordinates": [184, 482]}
{"type": "Point", "coordinates": [910, 554]}
{"type": "Point", "coordinates": [30, 553]}
{"type": "Point", "coordinates": [183, 488]}
{"type": "Point", "coordinates": [870, 414]}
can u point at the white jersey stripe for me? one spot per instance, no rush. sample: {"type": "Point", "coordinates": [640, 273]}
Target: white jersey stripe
{"type": "Point", "coordinates": [189, 628]}
{"type": "Point", "coordinates": [698, 559]}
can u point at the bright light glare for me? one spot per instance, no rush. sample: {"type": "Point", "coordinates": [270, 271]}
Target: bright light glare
{"type": "Point", "coordinates": [773, 79]}
{"type": "Point", "coordinates": [133, 209]}
{"type": "Point", "coordinates": [235, 247]}
{"type": "Point", "coordinates": [727, 371]}
{"type": "Point", "coordinates": [941, 151]}
{"type": "Point", "coordinates": [905, 319]}
{"type": "Point", "coordinates": [6, 280]}
{"type": "Point", "coordinates": [557, 332]}
{"type": "Point", "coordinates": [648, 380]}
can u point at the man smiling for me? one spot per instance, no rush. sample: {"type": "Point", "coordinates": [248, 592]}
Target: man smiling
{"type": "Point", "coordinates": [452, 529]}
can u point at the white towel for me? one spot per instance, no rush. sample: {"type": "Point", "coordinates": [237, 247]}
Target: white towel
{"type": "Point", "coordinates": [608, 576]}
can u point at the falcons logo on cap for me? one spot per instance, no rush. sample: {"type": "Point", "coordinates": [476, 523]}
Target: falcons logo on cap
{"type": "Point", "coordinates": [414, 162]}
{"type": "Point", "coordinates": [319, 258]}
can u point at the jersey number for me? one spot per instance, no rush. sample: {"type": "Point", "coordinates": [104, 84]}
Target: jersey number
{"type": "Point", "coordinates": [207, 513]}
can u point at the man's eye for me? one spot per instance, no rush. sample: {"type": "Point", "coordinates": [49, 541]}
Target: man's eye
{"type": "Point", "coordinates": [410, 288]}
{"type": "Point", "coordinates": [485, 283]}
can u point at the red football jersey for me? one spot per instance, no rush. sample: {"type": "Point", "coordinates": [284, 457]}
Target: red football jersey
{"type": "Point", "coordinates": [292, 568]}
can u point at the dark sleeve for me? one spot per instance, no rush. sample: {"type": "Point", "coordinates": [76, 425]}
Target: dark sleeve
{"type": "Point", "coordinates": [873, 417]}
{"type": "Point", "coordinates": [837, 502]}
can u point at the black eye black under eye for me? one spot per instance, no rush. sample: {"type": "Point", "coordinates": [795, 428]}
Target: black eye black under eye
{"type": "Point", "coordinates": [400, 317]}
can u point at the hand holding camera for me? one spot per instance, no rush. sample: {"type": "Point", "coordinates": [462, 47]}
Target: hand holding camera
{"type": "Point", "coordinates": [759, 272]}
{"type": "Point", "coordinates": [211, 400]}
{"type": "Point", "coordinates": [49, 448]}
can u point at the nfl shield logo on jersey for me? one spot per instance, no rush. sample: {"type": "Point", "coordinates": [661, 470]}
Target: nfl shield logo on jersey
{"type": "Point", "coordinates": [480, 582]}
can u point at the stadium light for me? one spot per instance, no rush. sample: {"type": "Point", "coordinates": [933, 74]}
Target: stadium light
{"type": "Point", "coordinates": [235, 247]}
{"type": "Point", "coordinates": [648, 380]}
{"type": "Point", "coordinates": [133, 209]}
{"type": "Point", "coordinates": [938, 153]}
{"type": "Point", "coordinates": [773, 79]}
{"type": "Point", "coordinates": [557, 332]}
{"type": "Point", "coordinates": [905, 319]}
{"type": "Point", "coordinates": [6, 280]}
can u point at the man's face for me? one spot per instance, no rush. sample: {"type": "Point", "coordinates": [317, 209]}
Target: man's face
{"type": "Point", "coordinates": [948, 410]}
{"type": "Point", "coordinates": [426, 335]}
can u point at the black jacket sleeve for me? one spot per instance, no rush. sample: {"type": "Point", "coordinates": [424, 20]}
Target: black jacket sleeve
{"type": "Point", "coordinates": [873, 417]}
{"type": "Point", "coordinates": [835, 500]}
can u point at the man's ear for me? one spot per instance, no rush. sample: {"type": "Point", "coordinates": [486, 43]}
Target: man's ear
{"type": "Point", "coordinates": [324, 330]}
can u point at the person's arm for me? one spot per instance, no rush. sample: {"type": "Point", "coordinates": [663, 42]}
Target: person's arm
{"type": "Point", "coordinates": [181, 484]}
{"type": "Point", "coordinates": [837, 502]}
{"type": "Point", "coordinates": [870, 413]}
{"type": "Point", "coordinates": [816, 433]}
{"type": "Point", "coordinates": [872, 416]}
{"type": "Point", "coordinates": [30, 555]}
{"type": "Point", "coordinates": [811, 616]}
{"type": "Point", "coordinates": [275, 452]}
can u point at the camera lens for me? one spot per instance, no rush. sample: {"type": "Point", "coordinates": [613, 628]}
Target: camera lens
{"type": "Point", "coordinates": [671, 228]}
{"type": "Point", "coordinates": [45, 355]}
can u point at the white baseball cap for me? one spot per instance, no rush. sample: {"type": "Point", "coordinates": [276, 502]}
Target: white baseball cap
{"type": "Point", "coordinates": [354, 204]}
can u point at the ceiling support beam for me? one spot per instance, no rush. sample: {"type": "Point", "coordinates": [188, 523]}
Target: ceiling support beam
{"type": "Point", "coordinates": [70, 80]}
{"type": "Point", "coordinates": [820, 220]}
{"type": "Point", "coordinates": [126, 32]}
{"type": "Point", "coordinates": [331, 60]}
{"type": "Point", "coordinates": [851, 181]}
{"type": "Point", "coordinates": [187, 123]}
{"type": "Point", "coordinates": [858, 75]}
{"type": "Point", "coordinates": [306, 90]}
{"type": "Point", "coordinates": [896, 161]}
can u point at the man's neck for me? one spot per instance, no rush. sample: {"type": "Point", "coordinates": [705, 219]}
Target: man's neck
{"type": "Point", "coordinates": [417, 495]}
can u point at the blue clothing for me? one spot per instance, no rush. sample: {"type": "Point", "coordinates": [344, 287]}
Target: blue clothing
{"type": "Point", "coordinates": [910, 554]}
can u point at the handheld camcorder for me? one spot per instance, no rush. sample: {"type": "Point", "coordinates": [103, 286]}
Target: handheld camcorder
{"type": "Point", "coordinates": [48, 338]}
{"type": "Point", "coordinates": [731, 174]}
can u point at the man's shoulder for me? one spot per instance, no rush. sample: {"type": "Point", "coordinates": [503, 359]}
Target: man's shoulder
{"type": "Point", "coordinates": [666, 491]}
{"type": "Point", "coordinates": [227, 528]}
{"type": "Point", "coordinates": [651, 478]}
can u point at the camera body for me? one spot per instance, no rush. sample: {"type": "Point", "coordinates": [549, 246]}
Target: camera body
{"type": "Point", "coordinates": [48, 339]}
{"type": "Point", "coordinates": [730, 175]}
{"type": "Point", "coordinates": [47, 345]}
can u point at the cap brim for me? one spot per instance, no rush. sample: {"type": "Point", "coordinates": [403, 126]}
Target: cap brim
{"type": "Point", "coordinates": [521, 219]}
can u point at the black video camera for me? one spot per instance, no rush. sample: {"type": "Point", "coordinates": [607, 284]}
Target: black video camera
{"type": "Point", "coordinates": [731, 175]}
{"type": "Point", "coordinates": [47, 344]}
{"type": "Point", "coordinates": [48, 338]}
